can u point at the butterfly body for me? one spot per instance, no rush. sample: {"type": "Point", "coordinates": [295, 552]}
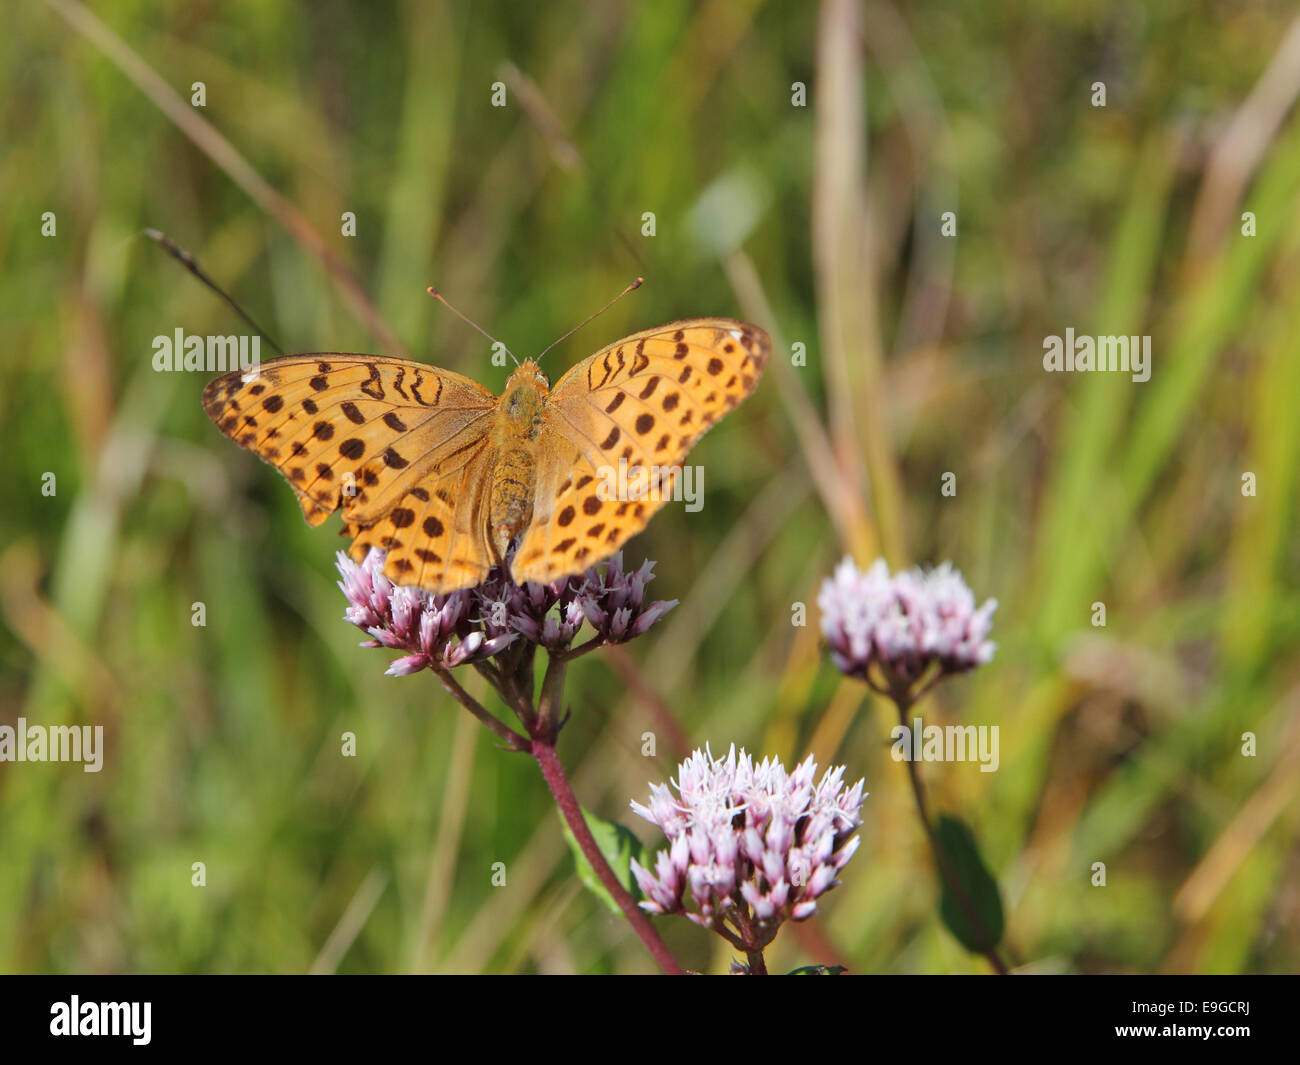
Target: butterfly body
{"type": "Point", "coordinates": [445, 476]}
{"type": "Point", "coordinates": [517, 423]}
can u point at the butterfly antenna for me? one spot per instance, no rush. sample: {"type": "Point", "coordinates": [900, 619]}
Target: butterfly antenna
{"type": "Point", "coordinates": [469, 321]}
{"type": "Point", "coordinates": [187, 260]}
{"type": "Point", "coordinates": [630, 288]}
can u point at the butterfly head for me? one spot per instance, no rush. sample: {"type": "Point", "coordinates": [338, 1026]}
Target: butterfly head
{"type": "Point", "coordinates": [524, 393]}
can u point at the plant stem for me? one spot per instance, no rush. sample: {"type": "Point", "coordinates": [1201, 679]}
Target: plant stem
{"type": "Point", "coordinates": [594, 644]}
{"type": "Point", "coordinates": [750, 941]}
{"type": "Point", "coordinates": [544, 727]}
{"type": "Point", "coordinates": [513, 740]}
{"type": "Point", "coordinates": [549, 709]}
{"type": "Point", "coordinates": [543, 749]}
{"type": "Point", "coordinates": [941, 860]}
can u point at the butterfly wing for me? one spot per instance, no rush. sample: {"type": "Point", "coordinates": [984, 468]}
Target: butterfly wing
{"type": "Point", "coordinates": [385, 439]}
{"type": "Point", "coordinates": [437, 537]}
{"type": "Point", "coordinates": [646, 400]}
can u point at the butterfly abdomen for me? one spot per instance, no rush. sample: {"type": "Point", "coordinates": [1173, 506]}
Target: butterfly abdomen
{"type": "Point", "coordinates": [510, 503]}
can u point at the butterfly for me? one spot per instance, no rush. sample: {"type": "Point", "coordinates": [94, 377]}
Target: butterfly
{"type": "Point", "coordinates": [446, 477]}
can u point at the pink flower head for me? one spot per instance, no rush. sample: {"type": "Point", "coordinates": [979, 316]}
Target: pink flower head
{"type": "Point", "coordinates": [750, 846]}
{"type": "Point", "coordinates": [434, 630]}
{"type": "Point", "coordinates": [904, 624]}
{"type": "Point", "coordinates": [446, 631]}
{"type": "Point", "coordinates": [614, 601]}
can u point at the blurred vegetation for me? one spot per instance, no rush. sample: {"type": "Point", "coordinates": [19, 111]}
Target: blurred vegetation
{"type": "Point", "coordinates": [1119, 744]}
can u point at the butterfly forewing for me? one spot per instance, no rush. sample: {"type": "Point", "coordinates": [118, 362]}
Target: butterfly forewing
{"type": "Point", "coordinates": [626, 417]}
{"type": "Point", "coordinates": [357, 431]}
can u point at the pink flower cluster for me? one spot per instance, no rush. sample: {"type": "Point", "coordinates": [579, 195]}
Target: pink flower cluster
{"type": "Point", "coordinates": [905, 623]}
{"type": "Point", "coordinates": [437, 630]}
{"type": "Point", "coordinates": [445, 631]}
{"type": "Point", "coordinates": [749, 845]}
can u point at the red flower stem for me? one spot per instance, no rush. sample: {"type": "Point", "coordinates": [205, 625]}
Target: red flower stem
{"type": "Point", "coordinates": [549, 705]}
{"type": "Point", "coordinates": [543, 749]}
{"type": "Point", "coordinates": [512, 739]}
{"type": "Point", "coordinates": [594, 644]}
{"type": "Point", "coordinates": [750, 941]}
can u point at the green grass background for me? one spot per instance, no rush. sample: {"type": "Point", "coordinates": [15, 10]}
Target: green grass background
{"type": "Point", "coordinates": [1119, 744]}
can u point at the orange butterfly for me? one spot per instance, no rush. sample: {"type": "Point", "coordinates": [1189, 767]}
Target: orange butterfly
{"type": "Point", "coordinates": [443, 475]}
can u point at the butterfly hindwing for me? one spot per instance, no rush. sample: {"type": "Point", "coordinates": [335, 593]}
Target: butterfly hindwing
{"type": "Point", "coordinates": [578, 515]}
{"type": "Point", "coordinates": [436, 536]}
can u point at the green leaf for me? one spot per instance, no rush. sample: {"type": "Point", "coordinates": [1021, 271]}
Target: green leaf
{"type": "Point", "coordinates": [619, 846]}
{"type": "Point", "coordinates": [958, 845]}
{"type": "Point", "coordinates": [817, 970]}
